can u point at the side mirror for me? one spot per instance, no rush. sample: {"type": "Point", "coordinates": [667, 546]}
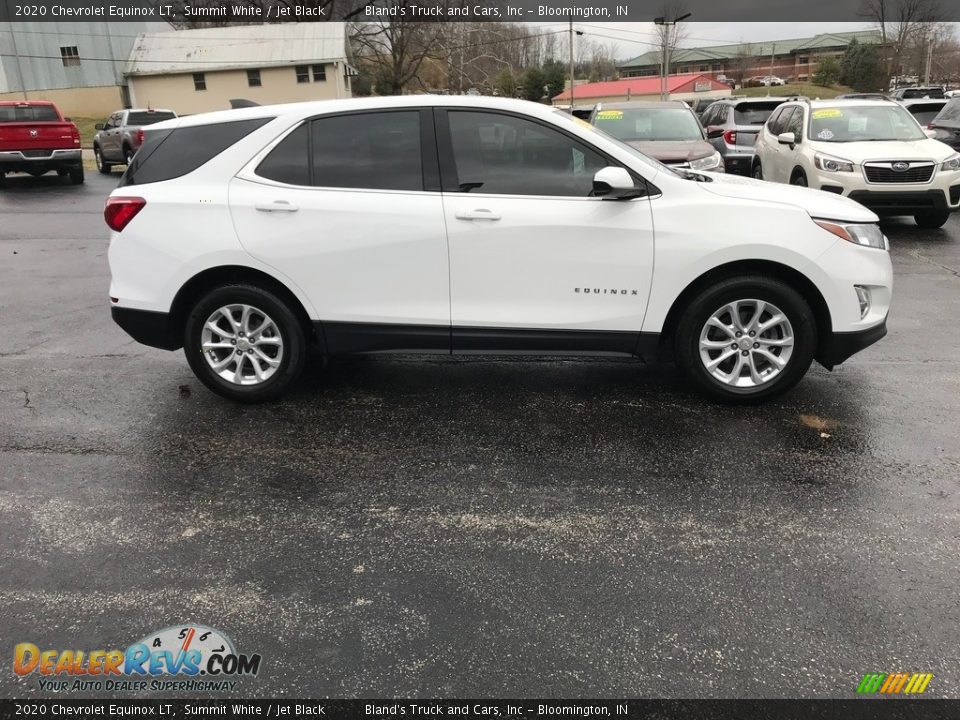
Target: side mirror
{"type": "Point", "coordinates": [787, 139]}
{"type": "Point", "coordinates": [930, 133]}
{"type": "Point", "coordinates": [99, 126]}
{"type": "Point", "coordinates": [614, 183]}
{"type": "Point", "coordinates": [714, 131]}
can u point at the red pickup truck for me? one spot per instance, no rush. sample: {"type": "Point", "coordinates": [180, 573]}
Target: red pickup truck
{"type": "Point", "coordinates": [35, 138]}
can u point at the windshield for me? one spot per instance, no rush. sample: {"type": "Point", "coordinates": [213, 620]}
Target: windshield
{"type": "Point", "coordinates": [28, 113]}
{"type": "Point", "coordinates": [148, 118]}
{"type": "Point", "coordinates": [854, 123]}
{"type": "Point", "coordinates": [650, 124]}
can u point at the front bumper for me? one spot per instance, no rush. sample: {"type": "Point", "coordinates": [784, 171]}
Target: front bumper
{"type": "Point", "coordinates": [842, 345]}
{"type": "Point", "coordinates": [147, 327]}
{"type": "Point", "coordinates": [908, 202]}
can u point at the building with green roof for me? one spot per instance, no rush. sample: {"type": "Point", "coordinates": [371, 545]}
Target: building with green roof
{"type": "Point", "coordinates": [793, 60]}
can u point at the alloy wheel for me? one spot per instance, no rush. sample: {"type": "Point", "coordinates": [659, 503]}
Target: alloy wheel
{"type": "Point", "coordinates": [746, 343]}
{"type": "Point", "coordinates": [242, 344]}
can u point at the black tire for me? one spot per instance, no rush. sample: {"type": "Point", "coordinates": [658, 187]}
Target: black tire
{"type": "Point", "coordinates": [754, 287]}
{"type": "Point", "coordinates": [127, 155]}
{"type": "Point", "coordinates": [932, 220]}
{"type": "Point", "coordinates": [756, 172]}
{"type": "Point", "coordinates": [76, 176]}
{"type": "Point", "coordinates": [286, 321]}
{"type": "Point", "coordinates": [102, 165]}
{"type": "Point", "coordinates": [799, 178]}
{"type": "Point", "coordinates": [3, 180]}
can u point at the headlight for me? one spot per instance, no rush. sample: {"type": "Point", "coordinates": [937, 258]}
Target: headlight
{"type": "Point", "coordinates": [832, 164]}
{"type": "Point", "coordinates": [708, 163]}
{"type": "Point", "coordinates": [952, 163]}
{"type": "Point", "coordinates": [868, 235]}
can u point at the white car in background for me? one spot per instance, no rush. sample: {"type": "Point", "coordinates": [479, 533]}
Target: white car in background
{"type": "Point", "coordinates": [476, 225]}
{"type": "Point", "coordinates": [872, 151]}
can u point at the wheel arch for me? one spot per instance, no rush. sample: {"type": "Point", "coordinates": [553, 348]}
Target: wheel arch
{"type": "Point", "coordinates": [797, 170]}
{"type": "Point", "coordinates": [203, 281]}
{"type": "Point", "coordinates": [795, 279]}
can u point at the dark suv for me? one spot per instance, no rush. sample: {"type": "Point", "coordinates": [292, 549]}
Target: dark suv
{"type": "Point", "coordinates": [732, 127]}
{"type": "Point", "coordinates": [947, 124]}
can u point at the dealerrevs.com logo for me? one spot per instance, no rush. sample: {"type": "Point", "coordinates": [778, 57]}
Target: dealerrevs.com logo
{"type": "Point", "coordinates": [183, 657]}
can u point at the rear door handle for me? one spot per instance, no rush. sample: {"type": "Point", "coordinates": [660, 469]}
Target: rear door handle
{"type": "Point", "coordinates": [277, 206]}
{"type": "Point", "coordinates": [478, 214]}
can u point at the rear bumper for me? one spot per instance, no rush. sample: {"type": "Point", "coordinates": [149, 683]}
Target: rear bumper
{"type": "Point", "coordinates": [843, 345]}
{"type": "Point", "coordinates": [41, 156]}
{"type": "Point", "coordinates": [147, 327]}
{"type": "Point", "coordinates": [35, 161]}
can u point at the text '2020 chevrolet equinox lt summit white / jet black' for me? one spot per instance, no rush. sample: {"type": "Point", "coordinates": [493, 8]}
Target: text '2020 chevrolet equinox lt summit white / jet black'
{"type": "Point", "coordinates": [463, 224]}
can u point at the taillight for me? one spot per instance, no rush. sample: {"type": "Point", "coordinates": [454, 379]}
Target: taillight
{"type": "Point", "coordinates": [730, 137]}
{"type": "Point", "coordinates": [119, 211]}
{"type": "Point", "coordinates": [139, 137]}
{"type": "Point", "coordinates": [76, 135]}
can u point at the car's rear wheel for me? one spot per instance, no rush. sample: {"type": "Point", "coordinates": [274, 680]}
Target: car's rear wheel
{"type": "Point", "coordinates": [76, 176]}
{"type": "Point", "coordinates": [102, 165]}
{"type": "Point", "coordinates": [757, 171]}
{"type": "Point", "coordinates": [245, 343]}
{"type": "Point", "coordinates": [746, 339]}
{"type": "Point", "coordinates": [127, 155]}
{"type": "Point", "coordinates": [932, 220]}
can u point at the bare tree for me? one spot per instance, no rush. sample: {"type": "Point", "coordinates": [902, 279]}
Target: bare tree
{"type": "Point", "coordinates": [742, 63]}
{"type": "Point", "coordinates": [901, 23]}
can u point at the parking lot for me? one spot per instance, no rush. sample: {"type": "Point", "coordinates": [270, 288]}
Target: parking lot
{"type": "Point", "coordinates": [540, 527]}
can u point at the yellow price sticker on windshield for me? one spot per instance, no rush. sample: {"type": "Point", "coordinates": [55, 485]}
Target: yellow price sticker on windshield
{"type": "Point", "coordinates": [827, 113]}
{"type": "Point", "coordinates": [610, 115]}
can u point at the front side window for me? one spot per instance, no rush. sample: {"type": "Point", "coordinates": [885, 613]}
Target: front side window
{"type": "Point", "coordinates": [506, 155]}
{"type": "Point", "coordinates": [795, 124]}
{"type": "Point", "coordinates": [778, 118]}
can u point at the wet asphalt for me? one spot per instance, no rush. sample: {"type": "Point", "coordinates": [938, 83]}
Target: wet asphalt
{"type": "Point", "coordinates": [476, 527]}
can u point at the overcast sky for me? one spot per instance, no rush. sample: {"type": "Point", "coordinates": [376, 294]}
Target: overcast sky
{"type": "Point", "coordinates": [632, 39]}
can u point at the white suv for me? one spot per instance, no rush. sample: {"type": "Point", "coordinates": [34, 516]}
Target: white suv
{"type": "Point", "coordinates": [475, 225]}
{"type": "Point", "coordinates": [873, 151]}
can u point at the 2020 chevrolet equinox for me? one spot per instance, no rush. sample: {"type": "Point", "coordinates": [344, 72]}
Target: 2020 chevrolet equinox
{"type": "Point", "coordinates": [467, 224]}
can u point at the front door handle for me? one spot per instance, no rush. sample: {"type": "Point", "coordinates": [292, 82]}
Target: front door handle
{"type": "Point", "coordinates": [478, 214]}
{"type": "Point", "coordinates": [277, 206]}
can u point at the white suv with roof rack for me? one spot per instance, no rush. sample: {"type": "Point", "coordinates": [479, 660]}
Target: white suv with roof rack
{"type": "Point", "coordinates": [872, 151]}
{"type": "Point", "coordinates": [476, 225]}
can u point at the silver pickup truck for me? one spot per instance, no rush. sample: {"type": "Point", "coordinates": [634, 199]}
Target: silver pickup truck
{"type": "Point", "coordinates": [122, 134]}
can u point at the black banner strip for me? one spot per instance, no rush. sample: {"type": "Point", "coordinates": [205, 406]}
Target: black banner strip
{"type": "Point", "coordinates": [873, 708]}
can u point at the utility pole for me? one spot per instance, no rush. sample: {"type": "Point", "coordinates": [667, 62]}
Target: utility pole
{"type": "Point", "coordinates": [773, 51]}
{"type": "Point", "coordinates": [665, 57]}
{"type": "Point", "coordinates": [927, 70]}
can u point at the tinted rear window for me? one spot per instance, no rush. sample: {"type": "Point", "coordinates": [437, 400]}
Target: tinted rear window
{"type": "Point", "coordinates": [913, 93]}
{"type": "Point", "coordinates": [168, 154]}
{"type": "Point", "coordinates": [753, 113]}
{"type": "Point", "coordinates": [148, 118]}
{"type": "Point", "coordinates": [925, 112]}
{"type": "Point", "coordinates": [29, 113]}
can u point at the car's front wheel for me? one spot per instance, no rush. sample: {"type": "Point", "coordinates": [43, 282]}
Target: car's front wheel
{"type": "Point", "coordinates": [757, 171]}
{"type": "Point", "coordinates": [746, 339]}
{"type": "Point", "coordinates": [245, 343]}
{"type": "Point", "coordinates": [932, 220]}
